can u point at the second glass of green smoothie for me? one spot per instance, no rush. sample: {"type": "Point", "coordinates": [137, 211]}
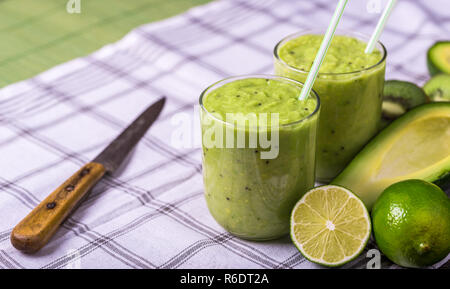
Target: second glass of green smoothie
{"type": "Point", "coordinates": [350, 84]}
{"type": "Point", "coordinates": [250, 189]}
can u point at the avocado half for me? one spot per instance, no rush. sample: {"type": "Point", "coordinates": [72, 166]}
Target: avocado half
{"type": "Point", "coordinates": [414, 146]}
{"type": "Point", "coordinates": [438, 58]}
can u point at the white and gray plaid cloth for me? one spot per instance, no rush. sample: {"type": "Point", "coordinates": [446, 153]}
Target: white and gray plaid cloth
{"type": "Point", "coordinates": [152, 213]}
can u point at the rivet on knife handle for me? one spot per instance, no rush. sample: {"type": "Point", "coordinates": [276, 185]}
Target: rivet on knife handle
{"type": "Point", "coordinates": [36, 229]}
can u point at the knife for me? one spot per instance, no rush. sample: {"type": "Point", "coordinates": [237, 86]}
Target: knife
{"type": "Point", "coordinates": [36, 229]}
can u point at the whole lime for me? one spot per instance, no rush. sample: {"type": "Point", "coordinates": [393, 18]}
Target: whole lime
{"type": "Point", "coordinates": [411, 223]}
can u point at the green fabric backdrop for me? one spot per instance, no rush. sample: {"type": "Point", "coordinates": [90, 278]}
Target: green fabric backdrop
{"type": "Point", "coordinates": [35, 35]}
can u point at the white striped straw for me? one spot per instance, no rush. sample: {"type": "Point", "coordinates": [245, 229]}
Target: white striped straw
{"type": "Point", "coordinates": [380, 26]}
{"type": "Point", "coordinates": [322, 50]}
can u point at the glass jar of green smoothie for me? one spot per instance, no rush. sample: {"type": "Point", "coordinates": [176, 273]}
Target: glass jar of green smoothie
{"type": "Point", "coordinates": [350, 84]}
{"type": "Point", "coordinates": [259, 145]}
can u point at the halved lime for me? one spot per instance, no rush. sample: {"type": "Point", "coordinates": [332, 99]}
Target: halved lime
{"type": "Point", "coordinates": [330, 225]}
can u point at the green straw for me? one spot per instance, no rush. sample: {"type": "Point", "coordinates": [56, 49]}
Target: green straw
{"type": "Point", "coordinates": [380, 26]}
{"type": "Point", "coordinates": [322, 50]}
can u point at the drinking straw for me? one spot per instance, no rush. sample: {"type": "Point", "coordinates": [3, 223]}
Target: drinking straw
{"type": "Point", "coordinates": [322, 50]}
{"type": "Point", "coordinates": [380, 26]}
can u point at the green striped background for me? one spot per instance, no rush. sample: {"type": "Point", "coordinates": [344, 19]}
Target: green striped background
{"type": "Point", "coordinates": [35, 35]}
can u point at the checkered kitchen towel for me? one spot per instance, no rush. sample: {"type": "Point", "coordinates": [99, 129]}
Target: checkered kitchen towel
{"type": "Point", "coordinates": [152, 213]}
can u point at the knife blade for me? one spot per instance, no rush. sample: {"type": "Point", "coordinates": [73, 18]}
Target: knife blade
{"type": "Point", "coordinates": [113, 155]}
{"type": "Point", "coordinates": [36, 229]}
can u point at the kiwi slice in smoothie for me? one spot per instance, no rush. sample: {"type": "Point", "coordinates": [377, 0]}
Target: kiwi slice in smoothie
{"type": "Point", "coordinates": [399, 97]}
{"type": "Point", "coordinates": [438, 87]}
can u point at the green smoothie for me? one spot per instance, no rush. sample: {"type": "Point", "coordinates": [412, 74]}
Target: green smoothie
{"type": "Point", "coordinates": [250, 195]}
{"type": "Point", "coordinates": [350, 84]}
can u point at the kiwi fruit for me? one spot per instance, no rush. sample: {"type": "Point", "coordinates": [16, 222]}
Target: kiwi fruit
{"type": "Point", "coordinates": [438, 87]}
{"type": "Point", "coordinates": [399, 97]}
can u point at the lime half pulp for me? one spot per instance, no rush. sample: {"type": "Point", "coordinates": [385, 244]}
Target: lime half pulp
{"type": "Point", "coordinates": [330, 225]}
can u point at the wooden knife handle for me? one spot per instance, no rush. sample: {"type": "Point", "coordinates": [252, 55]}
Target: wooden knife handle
{"type": "Point", "coordinates": [36, 229]}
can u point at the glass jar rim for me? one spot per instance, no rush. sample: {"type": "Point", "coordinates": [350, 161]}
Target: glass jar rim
{"type": "Point", "coordinates": [358, 35]}
{"type": "Point", "coordinates": [258, 76]}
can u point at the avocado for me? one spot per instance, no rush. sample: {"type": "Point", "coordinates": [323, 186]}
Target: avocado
{"type": "Point", "coordinates": [414, 146]}
{"type": "Point", "coordinates": [438, 87]}
{"type": "Point", "coordinates": [399, 97]}
{"type": "Point", "coordinates": [438, 58]}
